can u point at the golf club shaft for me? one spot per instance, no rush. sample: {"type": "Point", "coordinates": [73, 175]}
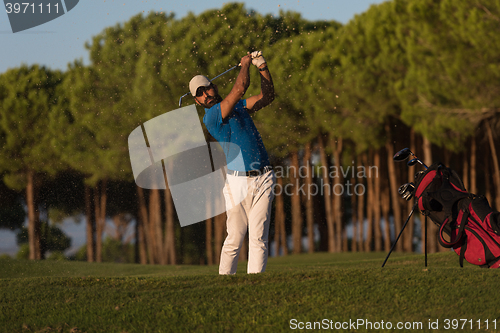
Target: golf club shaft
{"type": "Point", "coordinates": [423, 164]}
{"type": "Point", "coordinates": [180, 99]}
{"type": "Point", "coordinates": [230, 69]}
{"type": "Point", "coordinates": [419, 160]}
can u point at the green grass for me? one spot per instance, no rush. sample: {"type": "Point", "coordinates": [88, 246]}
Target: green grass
{"type": "Point", "coordinates": [82, 297]}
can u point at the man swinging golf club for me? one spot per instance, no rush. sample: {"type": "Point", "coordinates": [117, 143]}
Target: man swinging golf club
{"type": "Point", "coordinates": [251, 176]}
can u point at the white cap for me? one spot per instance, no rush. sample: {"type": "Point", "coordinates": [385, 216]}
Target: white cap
{"type": "Point", "coordinates": [196, 82]}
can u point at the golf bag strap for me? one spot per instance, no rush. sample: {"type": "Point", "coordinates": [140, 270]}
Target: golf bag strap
{"type": "Point", "coordinates": [463, 222]}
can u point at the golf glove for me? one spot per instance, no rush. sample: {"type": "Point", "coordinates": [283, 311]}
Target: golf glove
{"type": "Point", "coordinates": [257, 58]}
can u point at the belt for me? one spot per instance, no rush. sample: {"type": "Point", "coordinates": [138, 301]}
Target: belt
{"type": "Point", "coordinates": [251, 173]}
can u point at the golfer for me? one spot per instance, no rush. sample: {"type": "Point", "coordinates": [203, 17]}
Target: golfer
{"type": "Point", "coordinates": [248, 191]}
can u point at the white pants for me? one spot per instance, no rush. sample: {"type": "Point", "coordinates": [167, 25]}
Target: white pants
{"type": "Point", "coordinates": [253, 213]}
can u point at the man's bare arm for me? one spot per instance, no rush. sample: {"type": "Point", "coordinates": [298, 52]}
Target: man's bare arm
{"type": "Point", "coordinates": [266, 95]}
{"type": "Point", "coordinates": [240, 87]}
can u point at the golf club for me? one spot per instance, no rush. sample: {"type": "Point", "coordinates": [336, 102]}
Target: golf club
{"type": "Point", "coordinates": [415, 161]}
{"type": "Point", "coordinates": [230, 69]}
{"type": "Point", "coordinates": [404, 153]}
{"type": "Point", "coordinates": [406, 191]}
{"type": "Point", "coordinates": [417, 175]}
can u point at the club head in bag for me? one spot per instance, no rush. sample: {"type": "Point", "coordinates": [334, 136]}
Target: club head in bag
{"type": "Point", "coordinates": [417, 175]}
{"type": "Point", "coordinates": [403, 188]}
{"type": "Point", "coordinates": [415, 161]}
{"type": "Point", "coordinates": [402, 155]}
{"type": "Point", "coordinates": [406, 191]}
{"type": "Point", "coordinates": [412, 162]}
{"type": "Point", "coordinates": [407, 195]}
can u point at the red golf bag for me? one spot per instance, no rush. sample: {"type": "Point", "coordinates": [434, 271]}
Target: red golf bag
{"type": "Point", "coordinates": [466, 222]}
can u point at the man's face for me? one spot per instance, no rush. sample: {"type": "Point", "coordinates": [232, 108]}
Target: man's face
{"type": "Point", "coordinates": [207, 96]}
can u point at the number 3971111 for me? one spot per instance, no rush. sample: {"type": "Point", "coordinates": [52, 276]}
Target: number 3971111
{"type": "Point", "coordinates": [26, 7]}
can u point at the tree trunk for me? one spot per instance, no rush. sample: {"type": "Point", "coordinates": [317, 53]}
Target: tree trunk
{"type": "Point", "coordinates": [244, 250]}
{"type": "Point", "coordinates": [439, 248]}
{"type": "Point", "coordinates": [409, 231]}
{"type": "Point", "coordinates": [169, 246]}
{"type": "Point", "coordinates": [295, 201]}
{"type": "Point", "coordinates": [386, 207]}
{"type": "Point", "coordinates": [208, 241]}
{"type": "Point", "coordinates": [279, 227]}
{"type": "Point", "coordinates": [465, 169]}
{"type": "Point", "coordinates": [141, 253]}
{"type": "Point", "coordinates": [309, 202]}
{"type": "Point", "coordinates": [487, 181]}
{"type": "Point", "coordinates": [345, 244]}
{"type": "Point", "coordinates": [339, 188]}
{"type": "Point", "coordinates": [90, 222]}
{"type": "Point", "coordinates": [98, 226]}
{"type": "Point", "coordinates": [100, 198]}
{"type": "Point", "coordinates": [361, 206]}
{"type": "Point", "coordinates": [152, 226]}
{"type": "Point", "coordinates": [394, 185]}
{"type": "Point", "coordinates": [431, 227]}
{"type": "Point", "coordinates": [33, 217]}
{"type": "Point", "coordinates": [144, 229]}
{"type": "Point", "coordinates": [473, 184]}
{"type": "Point", "coordinates": [377, 204]}
{"type": "Point", "coordinates": [44, 232]}
{"type": "Point", "coordinates": [354, 218]}
{"type": "Point", "coordinates": [447, 157]}
{"type": "Point", "coordinates": [155, 220]}
{"type": "Point", "coordinates": [496, 167]}
{"type": "Point", "coordinates": [327, 190]}
{"type": "Point", "coordinates": [427, 146]}
{"type": "Point", "coordinates": [278, 211]}
{"type": "Point", "coordinates": [104, 199]}
{"type": "Point", "coordinates": [369, 207]}
{"type": "Point", "coordinates": [385, 201]}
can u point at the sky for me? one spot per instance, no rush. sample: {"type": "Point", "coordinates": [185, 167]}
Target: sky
{"type": "Point", "coordinates": [61, 41]}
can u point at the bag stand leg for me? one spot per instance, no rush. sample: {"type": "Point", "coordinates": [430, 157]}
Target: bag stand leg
{"type": "Point", "coordinates": [402, 229]}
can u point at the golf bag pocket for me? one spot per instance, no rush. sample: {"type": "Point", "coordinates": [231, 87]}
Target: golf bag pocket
{"type": "Point", "coordinates": [479, 244]}
{"type": "Point", "coordinates": [484, 212]}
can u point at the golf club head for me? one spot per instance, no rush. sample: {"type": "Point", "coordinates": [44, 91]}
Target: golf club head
{"type": "Point", "coordinates": [407, 196]}
{"type": "Point", "coordinates": [417, 175]}
{"type": "Point", "coordinates": [412, 162]}
{"type": "Point", "coordinates": [180, 99]}
{"type": "Point", "coordinates": [402, 155]}
{"type": "Point", "coordinates": [406, 191]}
{"type": "Point", "coordinates": [405, 187]}
{"type": "Point", "coordinates": [415, 161]}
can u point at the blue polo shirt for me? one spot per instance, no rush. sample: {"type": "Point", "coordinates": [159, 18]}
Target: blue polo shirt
{"type": "Point", "coordinates": [238, 128]}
